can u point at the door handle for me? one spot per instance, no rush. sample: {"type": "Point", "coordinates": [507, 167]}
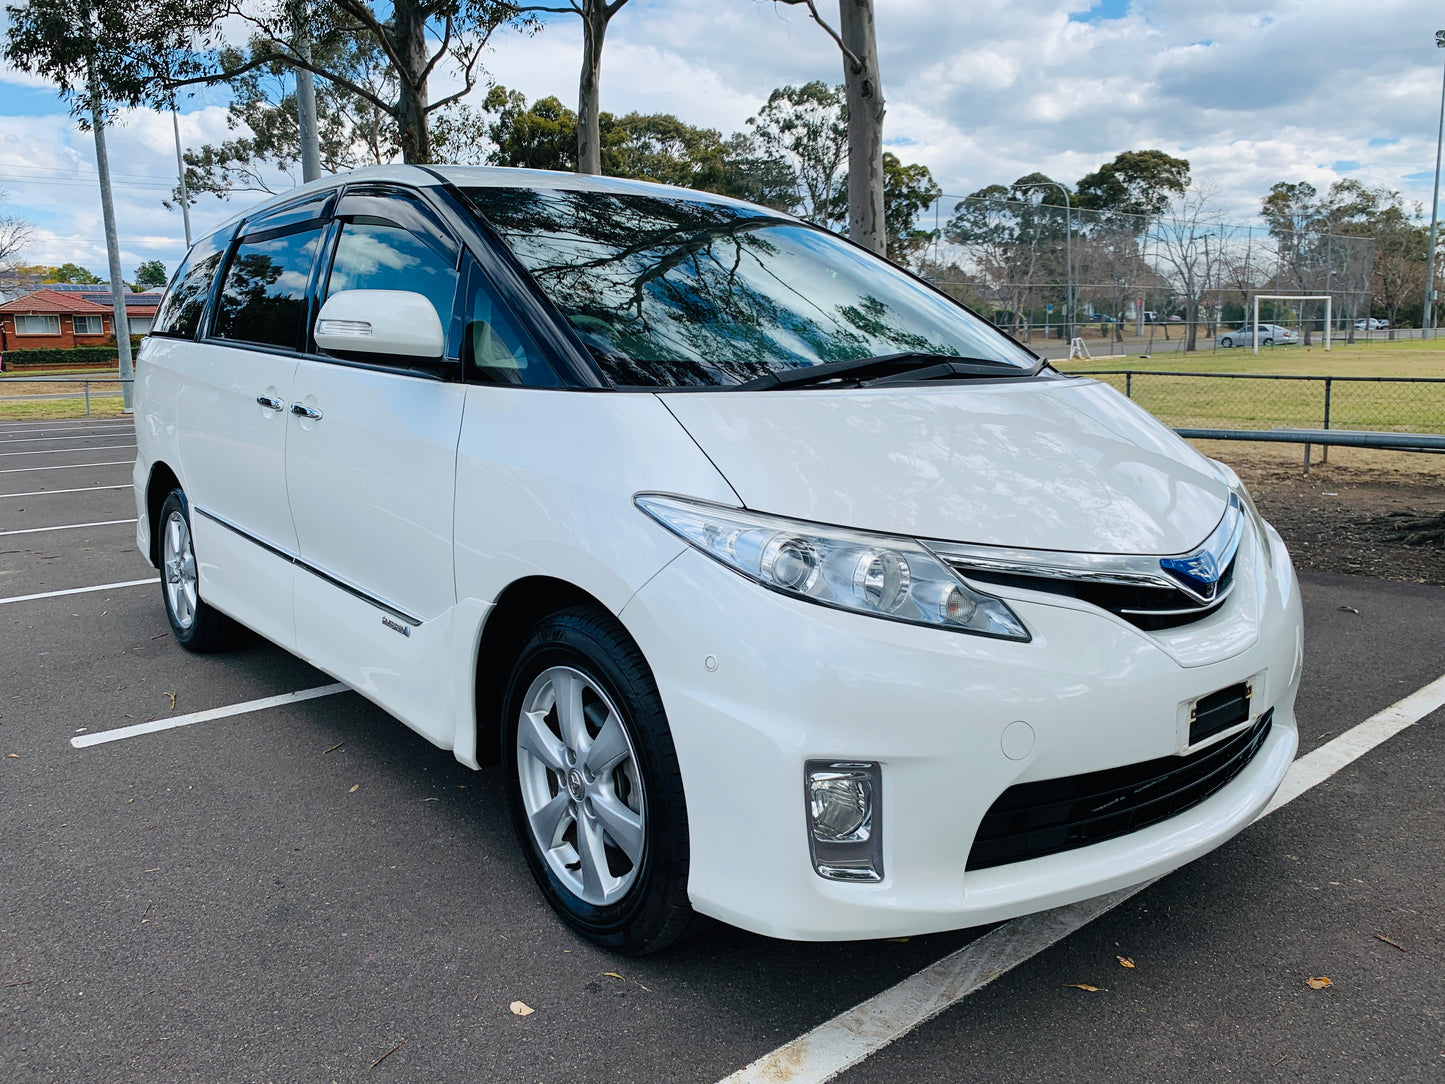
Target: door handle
{"type": "Point", "coordinates": [302, 411]}
{"type": "Point", "coordinates": [270, 402]}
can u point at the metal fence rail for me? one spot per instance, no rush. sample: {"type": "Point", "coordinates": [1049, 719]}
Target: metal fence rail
{"type": "Point", "coordinates": [86, 381]}
{"type": "Point", "coordinates": [1259, 401]}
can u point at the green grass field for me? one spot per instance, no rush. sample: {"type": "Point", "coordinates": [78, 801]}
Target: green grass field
{"type": "Point", "coordinates": [1216, 403]}
{"type": "Point", "coordinates": [45, 409]}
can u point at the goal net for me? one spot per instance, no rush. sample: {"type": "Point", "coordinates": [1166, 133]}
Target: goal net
{"type": "Point", "coordinates": [1302, 322]}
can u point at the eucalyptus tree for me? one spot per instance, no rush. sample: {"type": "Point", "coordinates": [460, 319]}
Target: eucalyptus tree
{"type": "Point", "coordinates": [807, 126]}
{"type": "Point", "coordinates": [857, 41]}
{"type": "Point", "coordinates": [596, 15]}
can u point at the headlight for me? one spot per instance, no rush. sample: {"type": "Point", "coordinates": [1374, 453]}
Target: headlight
{"type": "Point", "coordinates": [872, 574]}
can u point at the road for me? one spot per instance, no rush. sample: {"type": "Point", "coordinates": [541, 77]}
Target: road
{"type": "Point", "coordinates": [312, 892]}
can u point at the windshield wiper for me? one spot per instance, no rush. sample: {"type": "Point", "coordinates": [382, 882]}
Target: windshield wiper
{"type": "Point", "coordinates": [886, 369]}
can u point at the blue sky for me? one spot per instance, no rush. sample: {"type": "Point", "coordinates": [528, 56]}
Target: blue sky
{"type": "Point", "coordinates": [980, 92]}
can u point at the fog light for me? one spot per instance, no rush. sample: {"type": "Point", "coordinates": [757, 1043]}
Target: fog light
{"type": "Point", "coordinates": [844, 819]}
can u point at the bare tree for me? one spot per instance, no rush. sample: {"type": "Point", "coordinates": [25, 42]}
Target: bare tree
{"type": "Point", "coordinates": [857, 41]}
{"type": "Point", "coordinates": [595, 16]}
{"type": "Point", "coordinates": [15, 234]}
{"type": "Point", "coordinates": [1186, 242]}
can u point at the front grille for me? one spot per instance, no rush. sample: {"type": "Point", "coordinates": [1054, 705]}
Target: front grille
{"type": "Point", "coordinates": [1034, 819]}
{"type": "Point", "coordinates": [1144, 606]}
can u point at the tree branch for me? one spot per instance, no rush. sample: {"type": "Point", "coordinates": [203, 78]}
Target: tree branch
{"type": "Point", "coordinates": [853, 58]}
{"type": "Point", "coordinates": [362, 14]}
{"type": "Point", "coordinates": [293, 61]}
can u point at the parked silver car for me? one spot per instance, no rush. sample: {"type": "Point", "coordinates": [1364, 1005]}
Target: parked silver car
{"type": "Point", "coordinates": [1269, 335]}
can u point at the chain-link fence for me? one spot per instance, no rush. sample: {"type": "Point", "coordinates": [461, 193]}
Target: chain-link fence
{"type": "Point", "coordinates": [1140, 284]}
{"type": "Point", "coordinates": [1249, 401]}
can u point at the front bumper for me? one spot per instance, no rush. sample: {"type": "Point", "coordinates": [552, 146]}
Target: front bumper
{"type": "Point", "coordinates": [756, 683]}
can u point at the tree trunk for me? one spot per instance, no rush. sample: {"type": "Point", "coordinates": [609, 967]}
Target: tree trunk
{"type": "Point", "coordinates": [409, 35]}
{"type": "Point", "coordinates": [589, 89]}
{"type": "Point", "coordinates": [865, 126]}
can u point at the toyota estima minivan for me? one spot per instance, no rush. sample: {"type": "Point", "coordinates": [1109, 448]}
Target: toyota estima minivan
{"type": "Point", "coordinates": [785, 589]}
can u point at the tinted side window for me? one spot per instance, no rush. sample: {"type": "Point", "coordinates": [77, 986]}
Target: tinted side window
{"type": "Point", "coordinates": [384, 257]}
{"type": "Point", "coordinates": [185, 302]}
{"type": "Point", "coordinates": [495, 348]}
{"type": "Point", "coordinates": [264, 297]}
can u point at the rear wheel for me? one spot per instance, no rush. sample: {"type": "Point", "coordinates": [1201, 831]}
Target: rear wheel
{"type": "Point", "coordinates": [197, 627]}
{"type": "Point", "coordinates": [1268, 342]}
{"type": "Point", "coordinates": [594, 785]}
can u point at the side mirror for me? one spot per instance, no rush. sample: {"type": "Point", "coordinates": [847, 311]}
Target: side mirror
{"type": "Point", "coordinates": [396, 322]}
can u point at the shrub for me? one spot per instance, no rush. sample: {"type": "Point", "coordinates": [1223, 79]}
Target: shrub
{"type": "Point", "coordinates": [54, 357]}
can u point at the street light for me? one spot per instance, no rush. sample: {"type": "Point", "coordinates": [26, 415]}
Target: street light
{"type": "Point", "coordinates": [1429, 321]}
{"type": "Point", "coordinates": [1069, 243]}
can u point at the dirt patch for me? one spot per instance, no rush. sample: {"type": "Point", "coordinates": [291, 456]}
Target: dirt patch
{"type": "Point", "coordinates": [1350, 515]}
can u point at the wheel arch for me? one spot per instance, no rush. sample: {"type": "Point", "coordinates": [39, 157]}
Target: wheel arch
{"type": "Point", "coordinates": [158, 486]}
{"type": "Point", "coordinates": [517, 610]}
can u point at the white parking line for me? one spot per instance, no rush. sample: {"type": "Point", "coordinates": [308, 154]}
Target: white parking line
{"type": "Point", "coordinates": [42, 427]}
{"type": "Point", "coordinates": [71, 466]}
{"type": "Point", "coordinates": [83, 740]}
{"type": "Point", "coordinates": [842, 1042]}
{"type": "Point", "coordinates": [68, 526]}
{"type": "Point", "coordinates": [48, 492]}
{"type": "Point", "coordinates": [74, 436]}
{"type": "Point", "coordinates": [58, 451]}
{"type": "Point", "coordinates": [79, 590]}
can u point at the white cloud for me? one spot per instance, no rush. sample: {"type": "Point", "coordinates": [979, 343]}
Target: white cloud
{"type": "Point", "coordinates": [980, 92]}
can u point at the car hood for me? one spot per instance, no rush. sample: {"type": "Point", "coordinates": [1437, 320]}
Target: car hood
{"type": "Point", "coordinates": [1043, 464]}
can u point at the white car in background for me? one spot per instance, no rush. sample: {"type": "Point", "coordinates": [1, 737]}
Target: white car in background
{"type": "Point", "coordinates": [1269, 335]}
{"type": "Point", "coordinates": [785, 589]}
{"type": "Point", "coordinates": [1371, 324]}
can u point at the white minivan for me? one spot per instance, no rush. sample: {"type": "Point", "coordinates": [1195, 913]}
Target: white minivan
{"type": "Point", "coordinates": [786, 591]}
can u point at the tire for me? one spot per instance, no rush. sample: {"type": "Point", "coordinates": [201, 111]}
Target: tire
{"type": "Point", "coordinates": [197, 626]}
{"type": "Point", "coordinates": [1267, 342]}
{"type": "Point", "coordinates": [1226, 342]}
{"type": "Point", "coordinates": [609, 850]}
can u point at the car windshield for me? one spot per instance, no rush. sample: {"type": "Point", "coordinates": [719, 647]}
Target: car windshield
{"type": "Point", "coordinates": [675, 292]}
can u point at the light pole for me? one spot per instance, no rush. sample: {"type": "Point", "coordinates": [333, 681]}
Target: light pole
{"type": "Point", "coordinates": [1429, 321]}
{"type": "Point", "coordinates": [1068, 249]}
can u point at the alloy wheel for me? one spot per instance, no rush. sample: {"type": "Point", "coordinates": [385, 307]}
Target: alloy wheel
{"type": "Point", "coordinates": [178, 566]}
{"type": "Point", "coordinates": [580, 784]}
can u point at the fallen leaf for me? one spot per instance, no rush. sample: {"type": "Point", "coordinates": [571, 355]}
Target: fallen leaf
{"type": "Point", "coordinates": [1083, 986]}
{"type": "Point", "coordinates": [1347, 609]}
{"type": "Point", "coordinates": [613, 975]}
{"type": "Point", "coordinates": [1382, 937]}
{"type": "Point", "coordinates": [521, 1008]}
{"type": "Point", "coordinates": [335, 747]}
{"type": "Point", "coordinates": [1124, 961]}
{"type": "Point", "coordinates": [354, 788]}
{"type": "Point", "coordinates": [13, 756]}
{"type": "Point", "coordinates": [1318, 983]}
{"type": "Point", "coordinates": [173, 699]}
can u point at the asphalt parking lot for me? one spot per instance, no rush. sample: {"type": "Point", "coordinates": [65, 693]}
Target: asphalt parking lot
{"type": "Point", "coordinates": [311, 892]}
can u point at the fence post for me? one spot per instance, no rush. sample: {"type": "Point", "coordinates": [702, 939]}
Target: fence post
{"type": "Point", "coordinates": [1325, 449]}
{"type": "Point", "coordinates": [86, 383]}
{"type": "Point", "coordinates": [1128, 385]}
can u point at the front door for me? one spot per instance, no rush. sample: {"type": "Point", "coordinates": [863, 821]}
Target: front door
{"type": "Point", "coordinates": [370, 469]}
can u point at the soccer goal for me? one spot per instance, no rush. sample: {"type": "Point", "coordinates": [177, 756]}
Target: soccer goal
{"type": "Point", "coordinates": [1329, 307]}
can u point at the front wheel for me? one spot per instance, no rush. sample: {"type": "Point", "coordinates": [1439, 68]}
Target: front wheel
{"type": "Point", "coordinates": [197, 627]}
{"type": "Point", "coordinates": [594, 785]}
{"type": "Point", "coordinates": [1226, 342]}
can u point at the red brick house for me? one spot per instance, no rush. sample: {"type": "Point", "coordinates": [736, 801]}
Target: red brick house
{"type": "Point", "coordinates": [59, 320]}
